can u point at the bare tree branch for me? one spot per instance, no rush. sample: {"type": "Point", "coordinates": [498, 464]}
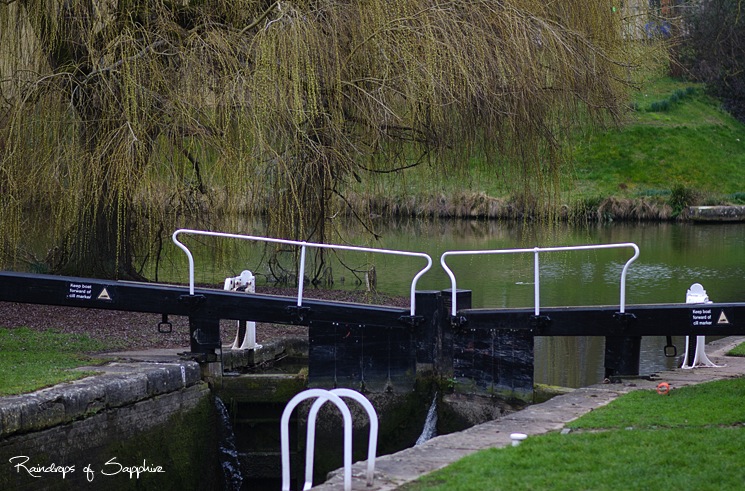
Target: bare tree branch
{"type": "Point", "coordinates": [356, 215]}
{"type": "Point", "coordinates": [259, 19]}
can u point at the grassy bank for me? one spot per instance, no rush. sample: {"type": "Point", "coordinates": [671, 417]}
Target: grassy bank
{"type": "Point", "coordinates": [678, 137]}
{"type": "Point", "coordinates": [32, 360]}
{"type": "Point", "coordinates": [677, 148]}
{"type": "Point", "coordinates": [693, 438]}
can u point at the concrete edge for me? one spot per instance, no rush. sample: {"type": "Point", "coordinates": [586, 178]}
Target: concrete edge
{"type": "Point", "coordinates": [732, 213]}
{"type": "Point", "coordinates": [118, 385]}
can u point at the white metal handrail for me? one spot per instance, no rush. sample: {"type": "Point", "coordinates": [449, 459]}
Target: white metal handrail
{"type": "Point", "coordinates": [284, 431]}
{"type": "Point", "coordinates": [372, 444]}
{"type": "Point", "coordinates": [303, 245]}
{"type": "Point", "coordinates": [536, 270]}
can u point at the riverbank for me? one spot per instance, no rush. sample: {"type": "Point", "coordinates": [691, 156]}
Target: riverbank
{"type": "Point", "coordinates": [395, 470]}
{"type": "Point", "coordinates": [660, 160]}
{"type": "Point", "coordinates": [481, 206]}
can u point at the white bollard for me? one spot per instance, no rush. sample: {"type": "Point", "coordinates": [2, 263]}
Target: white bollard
{"type": "Point", "coordinates": [517, 438]}
{"type": "Point", "coordinates": [697, 294]}
{"type": "Point", "coordinates": [248, 281]}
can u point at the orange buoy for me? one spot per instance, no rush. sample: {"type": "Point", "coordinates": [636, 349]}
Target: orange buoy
{"type": "Point", "coordinates": [663, 388]}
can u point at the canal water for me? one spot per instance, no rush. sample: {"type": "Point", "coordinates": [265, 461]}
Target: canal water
{"type": "Point", "coordinates": [673, 257]}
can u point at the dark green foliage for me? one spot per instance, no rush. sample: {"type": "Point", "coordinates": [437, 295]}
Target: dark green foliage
{"type": "Point", "coordinates": [660, 106]}
{"type": "Point", "coordinates": [713, 51]}
{"type": "Point", "coordinates": [681, 197]}
{"type": "Point", "coordinates": [666, 104]}
{"type": "Point", "coordinates": [736, 198]}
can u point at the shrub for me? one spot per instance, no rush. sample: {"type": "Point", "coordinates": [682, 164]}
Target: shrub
{"type": "Point", "coordinates": [667, 103]}
{"type": "Point", "coordinates": [681, 197]}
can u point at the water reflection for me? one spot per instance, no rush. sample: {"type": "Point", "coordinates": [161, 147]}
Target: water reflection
{"type": "Point", "coordinates": [578, 361]}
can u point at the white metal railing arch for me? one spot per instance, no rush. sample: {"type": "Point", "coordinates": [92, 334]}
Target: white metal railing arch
{"type": "Point", "coordinates": [285, 434]}
{"type": "Point", "coordinates": [303, 245]}
{"type": "Point", "coordinates": [372, 437]}
{"type": "Point", "coordinates": [536, 267]}
{"type": "Point", "coordinates": [322, 396]}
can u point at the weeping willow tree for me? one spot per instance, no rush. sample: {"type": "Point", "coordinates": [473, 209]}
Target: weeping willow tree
{"type": "Point", "coordinates": [117, 113]}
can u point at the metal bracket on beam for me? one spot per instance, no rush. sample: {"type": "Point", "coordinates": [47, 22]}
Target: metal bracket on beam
{"type": "Point", "coordinates": [538, 323]}
{"type": "Point", "coordinates": [670, 350]}
{"type": "Point", "coordinates": [413, 321]}
{"type": "Point", "coordinates": [624, 320]}
{"type": "Point", "coordinates": [458, 322]}
{"type": "Point", "coordinates": [299, 313]}
{"type": "Point", "coordinates": [165, 326]}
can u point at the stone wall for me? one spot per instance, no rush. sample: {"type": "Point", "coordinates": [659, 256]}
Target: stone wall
{"type": "Point", "coordinates": [152, 427]}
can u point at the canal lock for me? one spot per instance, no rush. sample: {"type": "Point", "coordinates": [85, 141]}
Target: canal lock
{"type": "Point", "coordinates": [256, 394]}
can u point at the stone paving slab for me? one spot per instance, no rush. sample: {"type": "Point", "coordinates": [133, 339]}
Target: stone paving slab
{"type": "Point", "coordinates": [392, 471]}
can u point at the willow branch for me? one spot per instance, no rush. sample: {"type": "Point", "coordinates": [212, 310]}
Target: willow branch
{"type": "Point", "coordinates": [144, 51]}
{"type": "Point", "coordinates": [396, 169]}
{"type": "Point", "coordinates": [386, 29]}
{"type": "Point", "coordinates": [390, 171]}
{"type": "Point", "coordinates": [195, 162]}
{"type": "Point", "coordinates": [261, 18]}
{"type": "Point", "coordinates": [356, 216]}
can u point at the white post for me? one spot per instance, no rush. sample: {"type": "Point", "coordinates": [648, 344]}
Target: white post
{"type": "Point", "coordinates": [697, 294]}
{"type": "Point", "coordinates": [248, 281]}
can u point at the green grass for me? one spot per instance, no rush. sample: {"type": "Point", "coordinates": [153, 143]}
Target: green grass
{"type": "Point", "coordinates": [693, 144]}
{"type": "Point", "coordinates": [693, 438]}
{"type": "Point", "coordinates": [713, 403]}
{"type": "Point", "coordinates": [738, 350]}
{"type": "Point", "coordinates": [31, 360]}
{"type": "Point", "coordinates": [689, 143]}
{"type": "Point", "coordinates": [695, 459]}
